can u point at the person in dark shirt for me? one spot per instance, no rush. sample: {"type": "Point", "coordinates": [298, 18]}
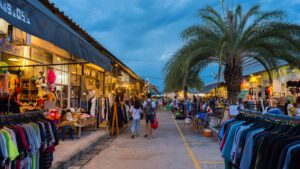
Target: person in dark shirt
{"type": "Point", "coordinates": [14, 105]}
{"type": "Point", "coordinates": [9, 104]}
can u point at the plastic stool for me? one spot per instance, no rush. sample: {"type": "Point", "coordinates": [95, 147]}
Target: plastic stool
{"type": "Point", "coordinates": [64, 130]}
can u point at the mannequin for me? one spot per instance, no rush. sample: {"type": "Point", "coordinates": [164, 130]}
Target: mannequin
{"type": "Point", "coordinates": [41, 83]}
{"type": "Point", "coordinates": [111, 99]}
{"type": "Point", "coordinates": [92, 103]}
{"type": "Point", "coordinates": [102, 108]}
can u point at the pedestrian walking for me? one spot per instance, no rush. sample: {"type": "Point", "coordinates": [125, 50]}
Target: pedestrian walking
{"type": "Point", "coordinates": [149, 110]}
{"type": "Point", "coordinates": [175, 103]}
{"type": "Point", "coordinates": [135, 111]}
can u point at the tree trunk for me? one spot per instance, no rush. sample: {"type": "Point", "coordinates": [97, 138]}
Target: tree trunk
{"type": "Point", "coordinates": [233, 78]}
{"type": "Point", "coordinates": [184, 86]}
{"type": "Point", "coordinates": [185, 93]}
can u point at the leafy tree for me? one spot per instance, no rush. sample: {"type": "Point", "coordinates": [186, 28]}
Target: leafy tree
{"type": "Point", "coordinates": [235, 38]}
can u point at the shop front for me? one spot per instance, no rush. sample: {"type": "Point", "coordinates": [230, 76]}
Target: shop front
{"type": "Point", "coordinates": [274, 93]}
{"type": "Point", "coordinates": [49, 63]}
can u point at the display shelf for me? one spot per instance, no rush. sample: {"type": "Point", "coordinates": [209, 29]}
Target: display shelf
{"type": "Point", "coordinates": [29, 90]}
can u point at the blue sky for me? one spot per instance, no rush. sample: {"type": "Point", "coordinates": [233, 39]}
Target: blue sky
{"type": "Point", "coordinates": [145, 33]}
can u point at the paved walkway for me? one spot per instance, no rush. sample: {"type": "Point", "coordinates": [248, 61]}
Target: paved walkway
{"type": "Point", "coordinates": [170, 149]}
{"type": "Point", "coordinates": [68, 149]}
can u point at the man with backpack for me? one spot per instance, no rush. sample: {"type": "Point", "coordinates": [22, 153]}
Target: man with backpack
{"type": "Point", "coordinates": [149, 110]}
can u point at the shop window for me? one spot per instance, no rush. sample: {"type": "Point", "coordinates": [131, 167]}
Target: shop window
{"type": "Point", "coordinates": [75, 82]}
{"type": "Point", "coordinates": [62, 94]}
{"type": "Point", "coordinates": [41, 56]}
{"type": "Point", "coordinates": [60, 60]}
{"type": "Point", "coordinates": [62, 77]}
{"type": "Point", "coordinates": [76, 69]}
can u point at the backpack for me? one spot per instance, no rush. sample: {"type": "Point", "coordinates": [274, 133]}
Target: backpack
{"type": "Point", "coordinates": [148, 108]}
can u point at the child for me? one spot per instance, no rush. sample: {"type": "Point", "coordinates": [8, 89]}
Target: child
{"type": "Point", "coordinates": [135, 111]}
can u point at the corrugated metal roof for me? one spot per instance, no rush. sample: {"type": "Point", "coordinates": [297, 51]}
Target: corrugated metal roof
{"type": "Point", "coordinates": [208, 88]}
{"type": "Point", "coordinates": [87, 36]}
{"type": "Point", "coordinates": [251, 66]}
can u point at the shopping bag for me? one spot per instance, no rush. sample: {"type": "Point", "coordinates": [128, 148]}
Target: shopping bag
{"type": "Point", "coordinates": [154, 124]}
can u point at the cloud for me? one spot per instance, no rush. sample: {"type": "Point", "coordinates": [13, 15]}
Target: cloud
{"type": "Point", "coordinates": [145, 33]}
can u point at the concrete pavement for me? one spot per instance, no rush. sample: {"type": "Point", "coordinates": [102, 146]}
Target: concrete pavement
{"type": "Point", "coordinates": [69, 151]}
{"type": "Point", "coordinates": [168, 150]}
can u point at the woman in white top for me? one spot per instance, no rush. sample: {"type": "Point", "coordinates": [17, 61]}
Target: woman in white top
{"type": "Point", "coordinates": [135, 111]}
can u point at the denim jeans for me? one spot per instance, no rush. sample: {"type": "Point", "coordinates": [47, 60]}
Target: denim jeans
{"type": "Point", "coordinates": [135, 126]}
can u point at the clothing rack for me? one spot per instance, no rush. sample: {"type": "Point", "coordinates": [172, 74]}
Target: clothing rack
{"type": "Point", "coordinates": [26, 114]}
{"type": "Point", "coordinates": [283, 118]}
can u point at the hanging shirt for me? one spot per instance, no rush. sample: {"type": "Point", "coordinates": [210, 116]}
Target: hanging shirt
{"type": "Point", "coordinates": [222, 130]}
{"type": "Point", "coordinates": [289, 156]}
{"type": "Point", "coordinates": [235, 146]}
{"type": "Point", "coordinates": [13, 152]}
{"type": "Point", "coordinates": [3, 148]}
{"type": "Point", "coordinates": [229, 141]}
{"type": "Point", "coordinates": [248, 149]}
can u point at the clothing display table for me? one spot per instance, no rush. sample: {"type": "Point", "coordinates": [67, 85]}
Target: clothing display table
{"type": "Point", "coordinates": [86, 122]}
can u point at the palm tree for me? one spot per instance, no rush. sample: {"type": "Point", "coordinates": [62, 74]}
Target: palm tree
{"type": "Point", "coordinates": [182, 73]}
{"type": "Point", "coordinates": [183, 81]}
{"type": "Point", "coordinates": [238, 36]}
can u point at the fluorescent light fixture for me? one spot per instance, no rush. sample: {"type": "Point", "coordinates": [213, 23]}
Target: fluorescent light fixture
{"type": "Point", "coordinates": [14, 59]}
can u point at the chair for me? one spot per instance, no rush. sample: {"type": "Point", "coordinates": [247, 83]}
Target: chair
{"type": "Point", "coordinates": [217, 115]}
{"type": "Point", "coordinates": [200, 122]}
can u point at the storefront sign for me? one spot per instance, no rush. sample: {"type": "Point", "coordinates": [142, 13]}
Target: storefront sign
{"type": "Point", "coordinates": [14, 11]}
{"type": "Point", "coordinates": [90, 72]}
{"type": "Point", "coordinates": [35, 18]}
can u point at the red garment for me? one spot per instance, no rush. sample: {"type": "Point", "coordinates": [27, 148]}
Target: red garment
{"type": "Point", "coordinates": [18, 164]}
{"type": "Point", "coordinates": [52, 148]}
{"type": "Point", "coordinates": [23, 137]}
{"type": "Point", "coordinates": [223, 140]}
{"type": "Point", "coordinates": [41, 103]}
{"type": "Point", "coordinates": [18, 90]}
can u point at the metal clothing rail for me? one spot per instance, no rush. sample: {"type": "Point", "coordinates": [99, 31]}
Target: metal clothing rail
{"type": "Point", "coordinates": [38, 112]}
{"type": "Point", "coordinates": [271, 116]}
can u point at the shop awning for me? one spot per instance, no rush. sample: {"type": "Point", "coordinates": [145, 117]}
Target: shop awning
{"type": "Point", "coordinates": [36, 19]}
{"type": "Point", "coordinates": [208, 88]}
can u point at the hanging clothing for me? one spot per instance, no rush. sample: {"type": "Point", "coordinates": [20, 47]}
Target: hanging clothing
{"type": "Point", "coordinates": [248, 142]}
{"type": "Point", "coordinates": [27, 145]}
{"type": "Point", "coordinates": [102, 108]}
{"type": "Point", "coordinates": [92, 106]}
